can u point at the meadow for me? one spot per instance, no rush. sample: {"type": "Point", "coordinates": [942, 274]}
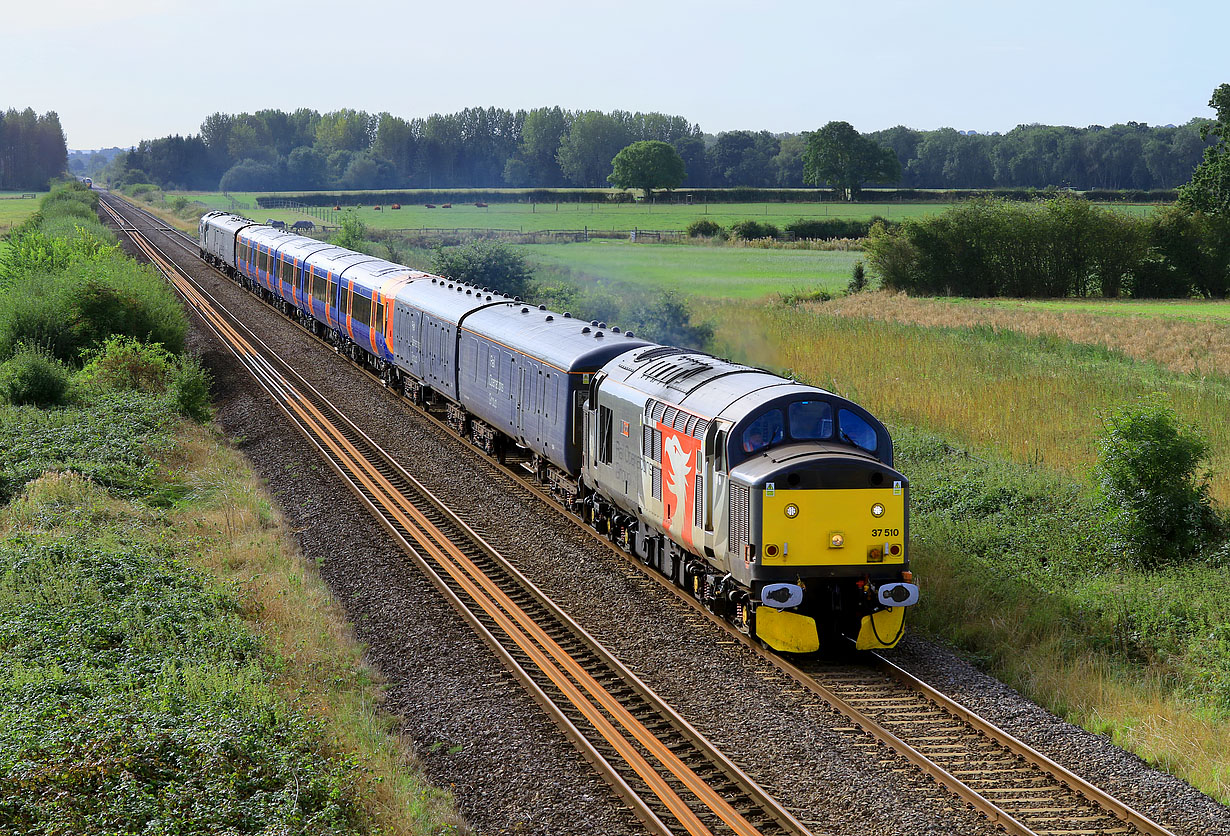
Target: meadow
{"type": "Point", "coordinates": [524, 217]}
{"type": "Point", "coordinates": [711, 271]}
{"type": "Point", "coordinates": [14, 209]}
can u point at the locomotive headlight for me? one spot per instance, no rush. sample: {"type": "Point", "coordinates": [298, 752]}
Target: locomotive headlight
{"type": "Point", "coordinates": [792, 510]}
{"type": "Point", "coordinates": [877, 510]}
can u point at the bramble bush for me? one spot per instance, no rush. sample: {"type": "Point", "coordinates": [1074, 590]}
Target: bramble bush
{"type": "Point", "coordinates": [123, 363]}
{"type": "Point", "coordinates": [1151, 472]}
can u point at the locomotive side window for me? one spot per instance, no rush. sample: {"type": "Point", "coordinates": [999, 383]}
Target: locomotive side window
{"type": "Point", "coordinates": [606, 434]}
{"type": "Point", "coordinates": [811, 419]}
{"type": "Point", "coordinates": [765, 431]}
{"type": "Point", "coordinates": [856, 430]}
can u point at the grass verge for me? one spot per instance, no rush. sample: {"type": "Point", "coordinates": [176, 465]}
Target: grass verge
{"type": "Point", "coordinates": [168, 659]}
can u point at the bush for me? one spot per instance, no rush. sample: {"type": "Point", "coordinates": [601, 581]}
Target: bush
{"type": "Point", "coordinates": [77, 308]}
{"type": "Point", "coordinates": [1149, 468]}
{"type": "Point", "coordinates": [704, 228]}
{"type": "Point", "coordinates": [33, 376]}
{"type": "Point", "coordinates": [751, 230]}
{"type": "Point", "coordinates": [1055, 248]}
{"type": "Point", "coordinates": [486, 264]}
{"type": "Point", "coordinates": [826, 228]}
{"type": "Point", "coordinates": [123, 363]}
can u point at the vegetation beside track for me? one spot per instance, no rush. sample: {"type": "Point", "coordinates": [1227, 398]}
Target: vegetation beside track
{"type": "Point", "coordinates": [169, 660]}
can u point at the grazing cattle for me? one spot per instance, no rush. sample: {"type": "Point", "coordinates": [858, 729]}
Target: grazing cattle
{"type": "Point", "coordinates": [276, 224]}
{"type": "Point", "coordinates": [430, 205]}
{"type": "Point", "coordinates": [337, 208]}
{"type": "Point", "coordinates": [446, 206]}
{"type": "Point", "coordinates": [377, 208]}
{"type": "Point", "coordinates": [396, 206]}
{"type": "Point", "coordinates": [303, 225]}
{"type": "Point", "coordinates": [481, 205]}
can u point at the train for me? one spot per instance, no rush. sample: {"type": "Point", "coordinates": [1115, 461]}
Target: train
{"type": "Point", "coordinates": [774, 503]}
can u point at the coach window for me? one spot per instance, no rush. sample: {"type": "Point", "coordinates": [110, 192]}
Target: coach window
{"type": "Point", "coordinates": [361, 308]}
{"type": "Point", "coordinates": [811, 420]}
{"type": "Point", "coordinates": [854, 429]}
{"type": "Point", "coordinates": [320, 287]}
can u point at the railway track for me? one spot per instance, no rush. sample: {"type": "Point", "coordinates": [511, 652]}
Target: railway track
{"type": "Point", "coordinates": [1018, 788]}
{"type": "Point", "coordinates": [669, 774]}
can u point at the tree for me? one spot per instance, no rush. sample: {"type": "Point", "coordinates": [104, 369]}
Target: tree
{"type": "Point", "coordinates": [843, 158]}
{"type": "Point", "coordinates": [1209, 190]}
{"type": "Point", "coordinates": [648, 165]}
{"type": "Point", "coordinates": [592, 141]}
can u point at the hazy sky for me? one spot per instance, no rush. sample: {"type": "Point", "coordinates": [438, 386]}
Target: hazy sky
{"type": "Point", "coordinates": [137, 69]}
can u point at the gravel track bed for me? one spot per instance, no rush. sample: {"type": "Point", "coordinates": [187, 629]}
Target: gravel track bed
{"type": "Point", "coordinates": [514, 769]}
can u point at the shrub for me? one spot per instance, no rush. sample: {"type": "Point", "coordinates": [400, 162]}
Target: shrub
{"type": "Point", "coordinates": [704, 228]}
{"type": "Point", "coordinates": [33, 376]}
{"type": "Point", "coordinates": [825, 228]}
{"type": "Point", "coordinates": [486, 264]}
{"type": "Point", "coordinates": [1150, 471]}
{"type": "Point", "coordinates": [123, 363]}
{"type": "Point", "coordinates": [77, 308]}
{"type": "Point", "coordinates": [750, 230]}
{"type": "Point", "coordinates": [858, 278]}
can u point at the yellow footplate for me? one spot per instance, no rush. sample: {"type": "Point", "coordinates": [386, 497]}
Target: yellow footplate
{"type": "Point", "coordinates": [787, 632]}
{"type": "Point", "coordinates": [880, 629]}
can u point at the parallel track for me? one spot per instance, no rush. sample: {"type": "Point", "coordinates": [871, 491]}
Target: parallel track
{"type": "Point", "coordinates": [672, 777]}
{"type": "Point", "coordinates": [1015, 786]}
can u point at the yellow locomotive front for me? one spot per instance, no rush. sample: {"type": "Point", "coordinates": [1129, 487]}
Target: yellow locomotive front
{"type": "Point", "coordinates": [822, 527]}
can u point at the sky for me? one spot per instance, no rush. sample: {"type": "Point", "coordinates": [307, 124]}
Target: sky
{"type": "Point", "coordinates": [120, 72]}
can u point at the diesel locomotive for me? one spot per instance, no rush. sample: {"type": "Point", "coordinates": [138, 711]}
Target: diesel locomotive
{"type": "Point", "coordinates": [774, 503]}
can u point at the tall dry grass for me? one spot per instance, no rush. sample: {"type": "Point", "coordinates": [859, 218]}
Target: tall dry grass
{"type": "Point", "coordinates": [1182, 345]}
{"type": "Point", "coordinates": [1031, 401]}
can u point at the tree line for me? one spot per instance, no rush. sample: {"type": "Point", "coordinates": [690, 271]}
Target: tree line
{"type": "Point", "coordinates": [32, 149]}
{"type": "Point", "coordinates": [551, 147]}
{"type": "Point", "coordinates": [1068, 247]}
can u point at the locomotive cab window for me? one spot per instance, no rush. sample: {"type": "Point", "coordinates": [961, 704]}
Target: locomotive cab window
{"type": "Point", "coordinates": [856, 430]}
{"type": "Point", "coordinates": [765, 431]}
{"type": "Point", "coordinates": [811, 420]}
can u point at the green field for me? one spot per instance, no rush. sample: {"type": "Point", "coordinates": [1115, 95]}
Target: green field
{"type": "Point", "coordinates": [524, 217]}
{"type": "Point", "coordinates": [14, 209]}
{"type": "Point", "coordinates": [717, 272]}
